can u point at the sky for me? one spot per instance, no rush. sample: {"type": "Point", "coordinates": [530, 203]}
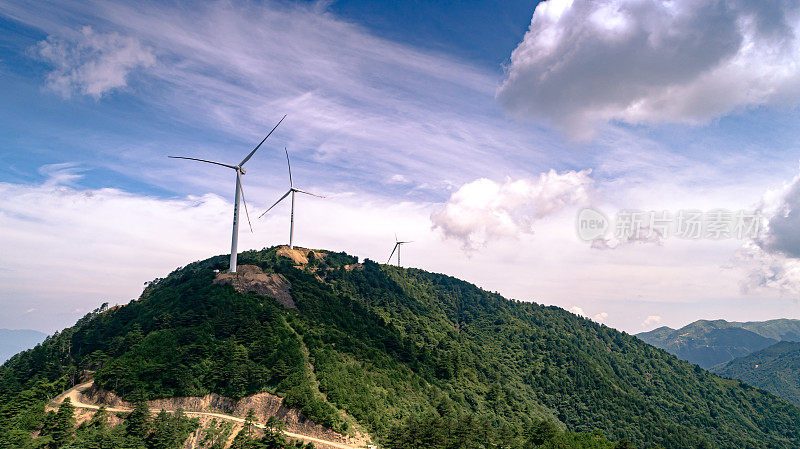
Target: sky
{"type": "Point", "coordinates": [483, 131]}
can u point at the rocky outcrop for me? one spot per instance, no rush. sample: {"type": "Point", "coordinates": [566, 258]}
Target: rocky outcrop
{"type": "Point", "coordinates": [250, 278]}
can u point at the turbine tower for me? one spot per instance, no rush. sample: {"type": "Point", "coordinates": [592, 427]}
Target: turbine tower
{"type": "Point", "coordinates": [397, 245]}
{"type": "Point", "coordinates": [239, 194]}
{"type": "Point", "coordinates": [292, 190]}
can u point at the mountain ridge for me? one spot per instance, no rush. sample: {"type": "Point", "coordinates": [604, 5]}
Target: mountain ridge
{"type": "Point", "coordinates": [711, 342]}
{"type": "Point", "coordinates": [775, 369]}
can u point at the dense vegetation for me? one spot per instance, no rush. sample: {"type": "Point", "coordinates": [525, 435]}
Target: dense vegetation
{"type": "Point", "coordinates": [139, 430]}
{"type": "Point", "coordinates": [775, 369]}
{"type": "Point", "coordinates": [394, 347]}
{"type": "Point", "coordinates": [709, 343]}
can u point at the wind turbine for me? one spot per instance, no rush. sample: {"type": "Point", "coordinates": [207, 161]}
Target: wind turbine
{"type": "Point", "coordinates": [239, 194]}
{"type": "Point", "coordinates": [292, 190]}
{"type": "Point", "coordinates": [397, 245]}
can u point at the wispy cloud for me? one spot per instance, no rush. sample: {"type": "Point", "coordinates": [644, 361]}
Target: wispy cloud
{"type": "Point", "coordinates": [366, 107]}
{"type": "Point", "coordinates": [64, 174]}
{"type": "Point", "coordinates": [94, 63]}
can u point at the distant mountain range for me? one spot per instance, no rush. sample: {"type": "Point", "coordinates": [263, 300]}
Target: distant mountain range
{"type": "Point", "coordinates": [765, 354]}
{"type": "Point", "coordinates": [709, 343]}
{"type": "Point", "coordinates": [13, 341]}
{"type": "Point", "coordinates": [775, 369]}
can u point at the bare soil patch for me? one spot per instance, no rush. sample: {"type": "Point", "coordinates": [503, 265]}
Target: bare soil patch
{"type": "Point", "coordinates": [250, 278]}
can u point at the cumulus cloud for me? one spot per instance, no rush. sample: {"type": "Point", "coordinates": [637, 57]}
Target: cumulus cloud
{"type": "Point", "coordinates": [93, 63]}
{"type": "Point", "coordinates": [483, 210]}
{"type": "Point", "coordinates": [773, 257]}
{"type": "Point", "coordinates": [651, 320]}
{"type": "Point", "coordinates": [577, 310]}
{"type": "Point", "coordinates": [600, 317]}
{"type": "Point", "coordinates": [586, 62]}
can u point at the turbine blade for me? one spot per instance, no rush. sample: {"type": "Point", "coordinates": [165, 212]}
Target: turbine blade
{"type": "Point", "coordinates": [308, 193]}
{"type": "Point", "coordinates": [241, 189]}
{"type": "Point", "coordinates": [291, 184]}
{"type": "Point", "coordinates": [259, 145]}
{"type": "Point", "coordinates": [393, 250]}
{"type": "Point", "coordinates": [203, 160]}
{"type": "Point", "coordinates": [276, 203]}
{"type": "Point", "coordinates": [410, 241]}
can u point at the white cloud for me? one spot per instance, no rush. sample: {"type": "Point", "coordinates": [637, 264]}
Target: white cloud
{"type": "Point", "coordinates": [398, 179]}
{"type": "Point", "coordinates": [600, 317]}
{"type": "Point", "coordinates": [773, 257]}
{"type": "Point", "coordinates": [651, 320]}
{"type": "Point", "coordinates": [577, 311]}
{"type": "Point", "coordinates": [92, 63]}
{"type": "Point", "coordinates": [60, 174]}
{"type": "Point", "coordinates": [483, 210]}
{"type": "Point", "coordinates": [586, 62]}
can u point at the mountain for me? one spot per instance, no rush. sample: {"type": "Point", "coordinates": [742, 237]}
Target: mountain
{"type": "Point", "coordinates": [775, 369]}
{"type": "Point", "coordinates": [399, 353]}
{"type": "Point", "coordinates": [709, 343]}
{"type": "Point", "coordinates": [782, 329]}
{"type": "Point", "coordinates": [13, 341]}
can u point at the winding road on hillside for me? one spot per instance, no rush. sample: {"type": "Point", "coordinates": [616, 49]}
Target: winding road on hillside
{"type": "Point", "coordinates": [75, 395]}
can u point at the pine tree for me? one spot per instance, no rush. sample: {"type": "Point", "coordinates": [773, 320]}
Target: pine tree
{"type": "Point", "coordinates": [64, 428]}
{"type": "Point", "coordinates": [138, 421]}
{"type": "Point", "coordinates": [249, 422]}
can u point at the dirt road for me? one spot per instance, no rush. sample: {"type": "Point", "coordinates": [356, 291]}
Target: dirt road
{"type": "Point", "coordinates": [75, 395]}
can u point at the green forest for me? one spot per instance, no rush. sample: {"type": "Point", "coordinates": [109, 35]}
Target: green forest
{"type": "Point", "coordinates": [415, 359]}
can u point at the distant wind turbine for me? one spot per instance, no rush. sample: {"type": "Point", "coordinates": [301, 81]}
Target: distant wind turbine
{"type": "Point", "coordinates": [291, 190]}
{"type": "Point", "coordinates": [397, 245]}
{"type": "Point", "coordinates": [239, 194]}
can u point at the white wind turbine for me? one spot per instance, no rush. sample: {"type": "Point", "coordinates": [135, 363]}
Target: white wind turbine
{"type": "Point", "coordinates": [239, 194]}
{"type": "Point", "coordinates": [291, 190]}
{"type": "Point", "coordinates": [397, 245]}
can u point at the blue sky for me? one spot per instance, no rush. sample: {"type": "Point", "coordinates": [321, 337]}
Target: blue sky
{"type": "Point", "coordinates": [458, 125]}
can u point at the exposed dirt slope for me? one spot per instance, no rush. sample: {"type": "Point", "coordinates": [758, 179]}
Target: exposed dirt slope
{"type": "Point", "coordinates": [87, 397]}
{"type": "Point", "coordinates": [250, 278]}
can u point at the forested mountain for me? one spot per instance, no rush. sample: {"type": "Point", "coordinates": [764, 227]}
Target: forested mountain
{"type": "Point", "coordinates": [416, 359]}
{"type": "Point", "coordinates": [709, 343]}
{"type": "Point", "coordinates": [775, 369]}
{"type": "Point", "coordinates": [13, 341]}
